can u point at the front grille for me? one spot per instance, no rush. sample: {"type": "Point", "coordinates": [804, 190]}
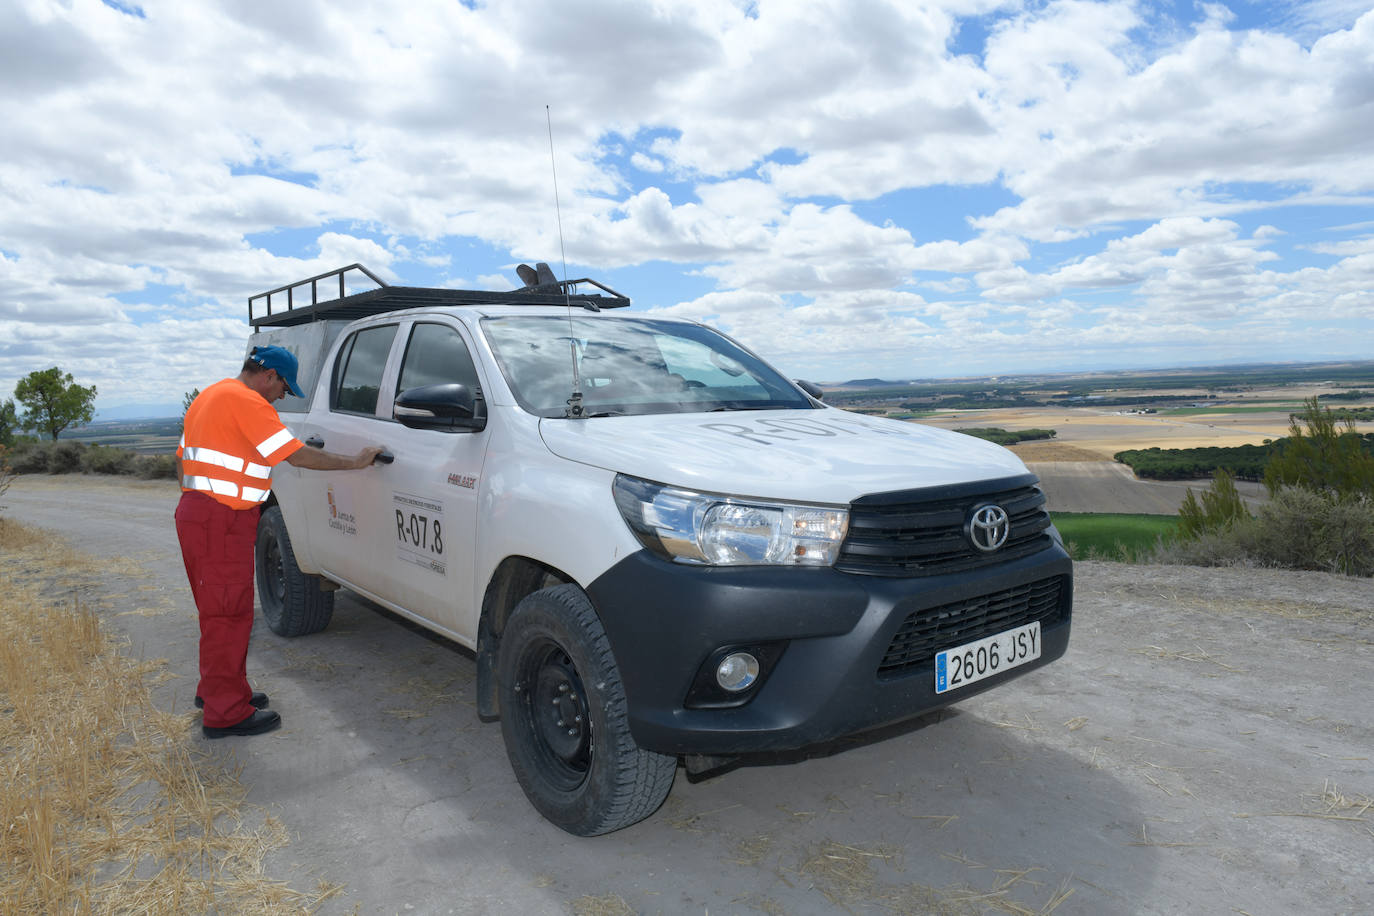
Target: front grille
{"type": "Point", "coordinates": [926, 632]}
{"type": "Point", "coordinates": [893, 536]}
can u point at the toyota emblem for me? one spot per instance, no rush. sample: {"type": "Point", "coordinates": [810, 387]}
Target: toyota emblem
{"type": "Point", "coordinates": [987, 528]}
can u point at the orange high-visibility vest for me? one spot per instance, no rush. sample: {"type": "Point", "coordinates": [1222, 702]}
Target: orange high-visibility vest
{"type": "Point", "coordinates": [232, 439]}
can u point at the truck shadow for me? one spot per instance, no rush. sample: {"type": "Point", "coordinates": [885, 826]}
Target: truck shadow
{"type": "Point", "coordinates": [421, 786]}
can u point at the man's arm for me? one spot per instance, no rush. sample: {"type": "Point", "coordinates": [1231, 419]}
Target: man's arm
{"type": "Point", "coordinates": [317, 459]}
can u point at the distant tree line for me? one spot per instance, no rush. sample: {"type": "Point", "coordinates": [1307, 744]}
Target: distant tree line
{"type": "Point", "coordinates": [1006, 437]}
{"type": "Point", "coordinates": [1243, 462]}
{"type": "Point", "coordinates": [1354, 414]}
{"type": "Point", "coordinates": [1108, 400]}
{"type": "Point", "coordinates": [972, 402]}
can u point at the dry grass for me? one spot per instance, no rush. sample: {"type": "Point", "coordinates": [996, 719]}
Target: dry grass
{"type": "Point", "coordinates": [603, 905]}
{"type": "Point", "coordinates": [1198, 655]}
{"type": "Point", "coordinates": [105, 805]}
{"type": "Point", "coordinates": [848, 878]}
{"type": "Point", "coordinates": [1331, 805]}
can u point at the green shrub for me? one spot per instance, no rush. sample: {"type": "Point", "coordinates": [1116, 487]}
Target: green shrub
{"type": "Point", "coordinates": [1296, 529]}
{"type": "Point", "coordinates": [6, 472]}
{"type": "Point", "coordinates": [1220, 510]}
{"type": "Point", "coordinates": [104, 459]}
{"type": "Point", "coordinates": [1301, 529]}
{"type": "Point", "coordinates": [1211, 548]}
{"type": "Point", "coordinates": [65, 457]}
{"type": "Point", "coordinates": [30, 457]}
{"type": "Point", "coordinates": [69, 456]}
{"type": "Point", "coordinates": [157, 467]}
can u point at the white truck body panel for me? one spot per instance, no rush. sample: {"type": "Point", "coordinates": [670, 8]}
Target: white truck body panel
{"type": "Point", "coordinates": [829, 455]}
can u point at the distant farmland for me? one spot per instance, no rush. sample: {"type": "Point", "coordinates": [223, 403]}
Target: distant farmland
{"type": "Point", "coordinates": [144, 437]}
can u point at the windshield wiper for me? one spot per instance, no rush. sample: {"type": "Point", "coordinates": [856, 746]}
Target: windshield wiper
{"type": "Point", "coordinates": [750, 407]}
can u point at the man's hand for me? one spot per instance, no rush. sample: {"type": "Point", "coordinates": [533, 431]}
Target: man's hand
{"type": "Point", "coordinates": [317, 459]}
{"type": "Point", "coordinates": [368, 455]}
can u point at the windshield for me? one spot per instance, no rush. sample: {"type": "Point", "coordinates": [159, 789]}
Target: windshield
{"type": "Point", "coordinates": [632, 366]}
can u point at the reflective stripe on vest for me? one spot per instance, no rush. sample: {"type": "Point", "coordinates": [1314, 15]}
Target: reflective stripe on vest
{"type": "Point", "coordinates": [272, 443]}
{"type": "Point", "coordinates": [225, 460]}
{"type": "Point", "coordinates": [210, 456]}
{"type": "Point", "coordinates": [223, 488]}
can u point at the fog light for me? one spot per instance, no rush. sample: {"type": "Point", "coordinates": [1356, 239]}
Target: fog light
{"type": "Point", "coordinates": [737, 671]}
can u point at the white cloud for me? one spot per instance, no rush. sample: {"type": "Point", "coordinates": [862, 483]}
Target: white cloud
{"type": "Point", "coordinates": [646, 163]}
{"type": "Point", "coordinates": [158, 170]}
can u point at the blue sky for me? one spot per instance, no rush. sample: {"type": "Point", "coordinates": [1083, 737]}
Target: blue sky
{"type": "Point", "coordinates": [853, 188]}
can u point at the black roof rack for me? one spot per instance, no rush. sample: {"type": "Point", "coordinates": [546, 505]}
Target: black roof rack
{"type": "Point", "coordinates": [387, 298]}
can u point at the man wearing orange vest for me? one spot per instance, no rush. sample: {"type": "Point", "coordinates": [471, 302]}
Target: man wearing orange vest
{"type": "Point", "coordinates": [232, 439]}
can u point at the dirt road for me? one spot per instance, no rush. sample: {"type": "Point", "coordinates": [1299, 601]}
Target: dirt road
{"type": "Point", "coordinates": [1109, 486]}
{"type": "Point", "coordinates": [1204, 747]}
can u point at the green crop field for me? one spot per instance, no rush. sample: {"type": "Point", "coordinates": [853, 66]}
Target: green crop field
{"type": "Point", "coordinates": [1113, 535]}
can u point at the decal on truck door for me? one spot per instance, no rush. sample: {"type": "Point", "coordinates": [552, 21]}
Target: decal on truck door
{"type": "Point", "coordinates": [341, 518]}
{"type": "Point", "coordinates": [419, 531]}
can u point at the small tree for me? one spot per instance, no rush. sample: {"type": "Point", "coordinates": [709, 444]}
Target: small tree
{"type": "Point", "coordinates": [1329, 457]}
{"type": "Point", "coordinates": [6, 472]}
{"type": "Point", "coordinates": [1221, 507]}
{"type": "Point", "coordinates": [186, 399]}
{"type": "Point", "coordinates": [9, 423]}
{"type": "Point", "coordinates": [54, 401]}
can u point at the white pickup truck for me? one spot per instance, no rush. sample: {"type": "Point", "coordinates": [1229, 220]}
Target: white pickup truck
{"type": "Point", "coordinates": [658, 547]}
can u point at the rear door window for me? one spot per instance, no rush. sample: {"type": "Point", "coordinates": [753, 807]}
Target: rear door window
{"type": "Point", "coordinates": [359, 368]}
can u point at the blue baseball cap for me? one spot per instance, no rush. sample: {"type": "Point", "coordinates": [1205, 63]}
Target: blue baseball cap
{"type": "Point", "coordinates": [280, 359]}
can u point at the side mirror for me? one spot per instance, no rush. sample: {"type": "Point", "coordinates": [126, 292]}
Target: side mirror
{"type": "Point", "coordinates": [451, 407]}
{"type": "Point", "coordinates": [811, 388]}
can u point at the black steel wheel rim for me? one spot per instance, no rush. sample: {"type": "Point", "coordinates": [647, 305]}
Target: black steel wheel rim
{"type": "Point", "coordinates": [556, 707]}
{"type": "Point", "coordinates": [275, 570]}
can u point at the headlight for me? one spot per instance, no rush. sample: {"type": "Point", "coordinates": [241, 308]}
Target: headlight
{"type": "Point", "coordinates": [724, 531]}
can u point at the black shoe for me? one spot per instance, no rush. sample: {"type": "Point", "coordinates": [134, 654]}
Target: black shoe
{"type": "Point", "coordinates": [259, 701]}
{"type": "Point", "coordinates": [260, 721]}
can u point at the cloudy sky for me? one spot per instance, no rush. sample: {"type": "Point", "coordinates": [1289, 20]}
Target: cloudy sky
{"type": "Point", "coordinates": [853, 188]}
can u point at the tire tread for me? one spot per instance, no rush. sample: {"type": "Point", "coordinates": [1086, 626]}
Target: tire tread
{"type": "Point", "coordinates": [306, 608]}
{"type": "Point", "coordinates": [641, 779]}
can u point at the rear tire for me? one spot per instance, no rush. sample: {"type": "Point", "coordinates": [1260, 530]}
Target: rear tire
{"type": "Point", "coordinates": [563, 717]}
{"type": "Point", "coordinates": [292, 602]}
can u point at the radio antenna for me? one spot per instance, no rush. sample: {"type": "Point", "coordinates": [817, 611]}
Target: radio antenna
{"type": "Point", "coordinates": [575, 409]}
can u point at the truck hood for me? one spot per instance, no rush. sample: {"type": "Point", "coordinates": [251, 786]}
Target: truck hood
{"type": "Point", "coordinates": [823, 456]}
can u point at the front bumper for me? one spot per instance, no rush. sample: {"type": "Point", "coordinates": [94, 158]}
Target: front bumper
{"type": "Point", "coordinates": [664, 620]}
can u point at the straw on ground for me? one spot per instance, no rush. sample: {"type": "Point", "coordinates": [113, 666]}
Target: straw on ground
{"type": "Point", "coordinates": [105, 805]}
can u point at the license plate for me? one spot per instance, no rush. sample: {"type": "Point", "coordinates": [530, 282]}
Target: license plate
{"type": "Point", "coordinates": [971, 662]}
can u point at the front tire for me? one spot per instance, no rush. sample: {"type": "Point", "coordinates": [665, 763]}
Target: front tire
{"type": "Point", "coordinates": [293, 604]}
{"type": "Point", "coordinates": [563, 717]}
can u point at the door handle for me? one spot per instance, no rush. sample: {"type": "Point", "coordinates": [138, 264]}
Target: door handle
{"type": "Point", "coordinates": [384, 458]}
{"type": "Point", "coordinates": [315, 442]}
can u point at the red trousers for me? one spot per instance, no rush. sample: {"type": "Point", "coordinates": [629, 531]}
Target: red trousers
{"type": "Point", "coordinates": [217, 548]}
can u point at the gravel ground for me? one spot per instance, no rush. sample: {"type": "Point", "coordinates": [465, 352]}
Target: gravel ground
{"type": "Point", "coordinates": [1204, 747]}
